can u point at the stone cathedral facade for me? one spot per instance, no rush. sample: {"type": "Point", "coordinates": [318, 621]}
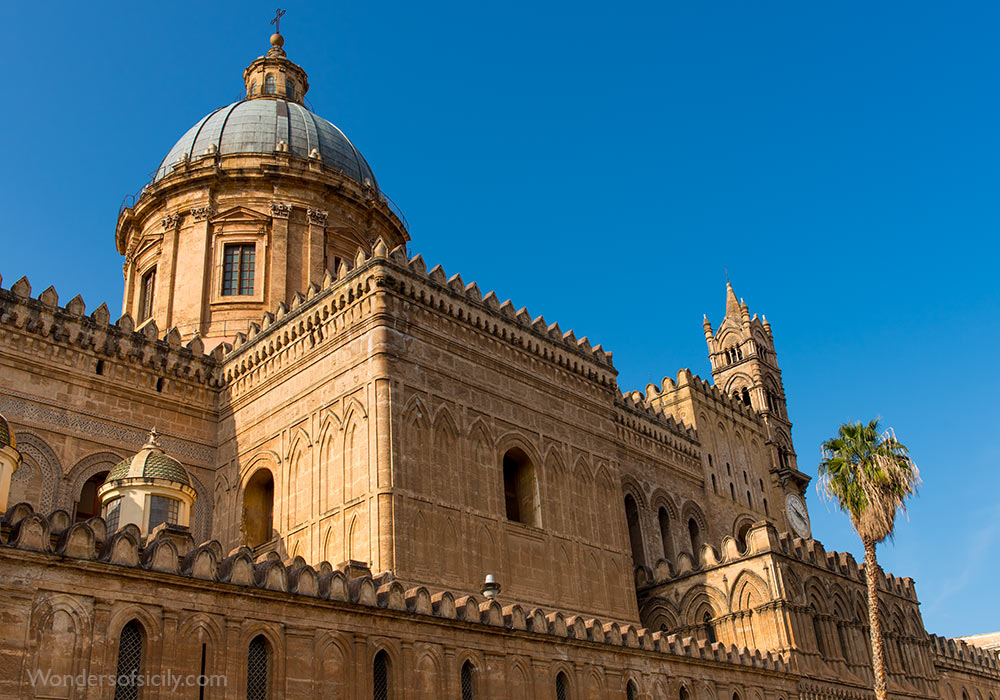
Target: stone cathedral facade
{"type": "Point", "coordinates": [370, 479]}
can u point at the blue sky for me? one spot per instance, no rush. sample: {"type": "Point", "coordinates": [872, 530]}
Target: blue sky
{"type": "Point", "coordinates": [601, 164]}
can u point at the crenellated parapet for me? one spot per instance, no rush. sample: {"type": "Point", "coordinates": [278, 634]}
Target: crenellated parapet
{"type": "Point", "coordinates": [764, 538]}
{"type": "Point", "coordinates": [322, 311]}
{"type": "Point", "coordinates": [959, 655]}
{"type": "Point", "coordinates": [171, 556]}
{"type": "Point", "coordinates": [640, 423]}
{"type": "Point", "coordinates": [669, 390]}
{"type": "Point", "coordinates": [67, 334]}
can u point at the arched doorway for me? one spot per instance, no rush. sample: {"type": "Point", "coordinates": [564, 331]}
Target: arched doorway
{"type": "Point", "coordinates": [88, 505]}
{"type": "Point", "coordinates": [258, 508]}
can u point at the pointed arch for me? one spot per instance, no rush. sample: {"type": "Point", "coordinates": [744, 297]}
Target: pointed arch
{"type": "Point", "coordinates": [354, 457]}
{"type": "Point", "coordinates": [443, 467]}
{"type": "Point", "coordinates": [479, 467]}
{"type": "Point", "coordinates": [414, 444]}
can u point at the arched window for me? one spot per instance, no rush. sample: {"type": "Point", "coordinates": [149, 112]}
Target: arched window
{"type": "Point", "coordinates": [736, 696]}
{"type": "Point", "coordinates": [732, 491]}
{"type": "Point", "coordinates": [818, 631]}
{"type": "Point", "coordinates": [89, 505]}
{"type": "Point", "coordinates": [520, 488]}
{"type": "Point", "coordinates": [741, 536]}
{"type": "Point", "coordinates": [709, 628]}
{"type": "Point", "coordinates": [112, 514]}
{"type": "Point", "coordinates": [562, 686]}
{"type": "Point", "coordinates": [694, 532]}
{"type": "Point", "coordinates": [745, 395]}
{"type": "Point", "coordinates": [634, 531]}
{"type": "Point", "coordinates": [130, 653]}
{"type": "Point", "coordinates": [631, 691]}
{"type": "Point", "coordinates": [258, 668]}
{"type": "Point", "coordinates": [845, 648]}
{"type": "Point", "coordinates": [258, 508]}
{"type": "Point", "coordinates": [715, 485]}
{"type": "Point", "coordinates": [468, 681]}
{"type": "Point", "coordinates": [290, 89]}
{"type": "Point", "coordinates": [380, 676]}
{"type": "Point", "coordinates": [749, 500]}
{"type": "Point", "coordinates": [683, 694]}
{"type": "Point", "coordinates": [767, 511]}
{"type": "Point", "coordinates": [665, 539]}
{"type": "Point", "coordinates": [270, 86]}
{"type": "Point", "coordinates": [253, 89]}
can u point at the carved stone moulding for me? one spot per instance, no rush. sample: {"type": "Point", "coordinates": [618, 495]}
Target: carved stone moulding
{"type": "Point", "coordinates": [281, 210]}
{"type": "Point", "coordinates": [202, 213]}
{"type": "Point", "coordinates": [318, 216]}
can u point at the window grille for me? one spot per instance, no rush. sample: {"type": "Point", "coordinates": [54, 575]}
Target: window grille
{"type": "Point", "coordinates": [380, 677]}
{"type": "Point", "coordinates": [290, 90]}
{"type": "Point", "coordinates": [630, 691]}
{"type": "Point", "coordinates": [146, 295]}
{"type": "Point", "coordinates": [561, 690]}
{"type": "Point", "coordinates": [468, 690]}
{"type": "Point", "coordinates": [111, 515]}
{"type": "Point", "coordinates": [270, 86]}
{"type": "Point", "coordinates": [162, 510]}
{"type": "Point", "coordinates": [238, 269]}
{"type": "Point", "coordinates": [253, 88]}
{"type": "Point", "coordinates": [257, 668]}
{"type": "Point", "coordinates": [127, 685]}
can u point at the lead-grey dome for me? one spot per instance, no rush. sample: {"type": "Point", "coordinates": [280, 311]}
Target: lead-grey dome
{"type": "Point", "coordinates": [257, 126]}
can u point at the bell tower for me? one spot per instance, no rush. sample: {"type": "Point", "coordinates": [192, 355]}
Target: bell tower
{"type": "Point", "coordinates": [745, 366]}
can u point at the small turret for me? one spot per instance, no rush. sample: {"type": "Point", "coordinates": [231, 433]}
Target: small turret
{"type": "Point", "coordinates": [10, 460]}
{"type": "Point", "coordinates": [148, 489]}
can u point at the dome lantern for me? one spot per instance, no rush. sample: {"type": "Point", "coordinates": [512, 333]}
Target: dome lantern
{"type": "Point", "coordinates": [272, 76]}
{"type": "Point", "coordinates": [10, 460]}
{"type": "Point", "coordinates": [148, 489]}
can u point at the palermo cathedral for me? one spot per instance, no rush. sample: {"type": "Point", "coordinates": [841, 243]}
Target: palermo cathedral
{"type": "Point", "coordinates": [301, 464]}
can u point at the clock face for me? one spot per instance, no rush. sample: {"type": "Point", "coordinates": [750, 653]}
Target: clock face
{"type": "Point", "coordinates": [798, 516]}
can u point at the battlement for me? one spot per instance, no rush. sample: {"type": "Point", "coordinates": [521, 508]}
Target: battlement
{"type": "Point", "coordinates": [685, 379]}
{"type": "Point", "coordinates": [635, 414]}
{"type": "Point", "coordinates": [141, 346]}
{"type": "Point", "coordinates": [356, 278]}
{"type": "Point", "coordinates": [956, 652]}
{"type": "Point", "coordinates": [763, 538]}
{"type": "Point", "coordinates": [173, 554]}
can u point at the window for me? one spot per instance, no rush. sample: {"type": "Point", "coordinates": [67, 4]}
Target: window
{"type": "Point", "coordinates": [290, 90]}
{"type": "Point", "coordinates": [380, 676]}
{"type": "Point", "coordinates": [146, 289]}
{"type": "Point", "coordinates": [112, 511]}
{"type": "Point", "coordinates": [258, 508]}
{"type": "Point", "coordinates": [631, 691]}
{"type": "Point", "coordinates": [270, 86]}
{"type": "Point", "coordinates": [684, 694]}
{"type": "Point", "coordinates": [741, 536]}
{"type": "Point", "coordinates": [749, 500]}
{"type": "Point", "coordinates": [237, 269]}
{"type": "Point", "coordinates": [89, 505]}
{"type": "Point", "coordinates": [745, 395]}
{"type": "Point", "coordinates": [258, 660]}
{"type": "Point", "coordinates": [668, 543]}
{"type": "Point", "coordinates": [162, 510]}
{"type": "Point", "coordinates": [520, 488]}
{"type": "Point", "coordinates": [694, 532]}
{"type": "Point", "coordinates": [253, 89]}
{"type": "Point", "coordinates": [130, 644]}
{"type": "Point", "coordinates": [468, 686]}
{"type": "Point", "coordinates": [709, 628]}
{"type": "Point", "coordinates": [818, 631]}
{"type": "Point", "coordinates": [562, 687]}
{"type": "Point", "coordinates": [732, 491]}
{"type": "Point", "coordinates": [715, 485]}
{"type": "Point", "coordinates": [767, 511]}
{"type": "Point", "coordinates": [634, 531]}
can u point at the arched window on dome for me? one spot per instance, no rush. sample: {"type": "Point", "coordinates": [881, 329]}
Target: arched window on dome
{"type": "Point", "coordinates": [270, 85]}
{"type": "Point", "coordinates": [290, 89]}
{"type": "Point", "coordinates": [253, 88]}
{"type": "Point", "coordinates": [131, 641]}
{"type": "Point", "coordinates": [162, 510]}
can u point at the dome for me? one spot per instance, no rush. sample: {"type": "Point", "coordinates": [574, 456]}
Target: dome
{"type": "Point", "coordinates": [6, 434]}
{"type": "Point", "coordinates": [149, 463]}
{"type": "Point", "coordinates": [258, 125]}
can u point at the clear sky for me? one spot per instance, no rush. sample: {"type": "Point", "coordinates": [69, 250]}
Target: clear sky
{"type": "Point", "coordinates": [601, 163]}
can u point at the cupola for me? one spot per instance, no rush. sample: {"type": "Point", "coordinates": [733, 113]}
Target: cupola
{"type": "Point", "coordinates": [10, 460]}
{"type": "Point", "coordinates": [273, 76]}
{"type": "Point", "coordinates": [148, 489]}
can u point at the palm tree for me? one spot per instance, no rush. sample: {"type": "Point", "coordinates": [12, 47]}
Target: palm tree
{"type": "Point", "coordinates": [868, 473]}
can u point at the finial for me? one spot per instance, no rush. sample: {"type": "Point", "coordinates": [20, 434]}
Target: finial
{"type": "Point", "coordinates": [277, 41]}
{"type": "Point", "coordinates": [153, 442]}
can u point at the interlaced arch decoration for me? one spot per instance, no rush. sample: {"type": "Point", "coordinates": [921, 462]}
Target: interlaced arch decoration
{"type": "Point", "coordinates": [41, 456]}
{"type": "Point", "coordinates": [81, 472]}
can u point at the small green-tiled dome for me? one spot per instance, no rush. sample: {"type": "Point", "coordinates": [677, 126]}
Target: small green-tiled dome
{"type": "Point", "coordinates": [6, 436]}
{"type": "Point", "coordinates": [150, 463]}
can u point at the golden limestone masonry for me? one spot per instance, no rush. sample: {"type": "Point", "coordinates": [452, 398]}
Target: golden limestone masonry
{"type": "Point", "coordinates": [368, 479]}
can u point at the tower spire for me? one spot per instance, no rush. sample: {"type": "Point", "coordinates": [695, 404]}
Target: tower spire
{"type": "Point", "coordinates": [732, 303]}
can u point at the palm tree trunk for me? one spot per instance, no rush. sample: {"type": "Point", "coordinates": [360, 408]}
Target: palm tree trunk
{"type": "Point", "coordinates": [874, 619]}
